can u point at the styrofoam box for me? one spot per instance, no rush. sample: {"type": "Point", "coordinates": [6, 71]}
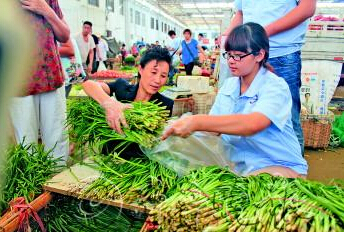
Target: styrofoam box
{"type": "Point", "coordinates": [196, 84]}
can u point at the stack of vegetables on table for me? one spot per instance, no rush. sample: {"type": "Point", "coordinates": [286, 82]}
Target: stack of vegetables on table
{"type": "Point", "coordinates": [66, 214]}
{"type": "Point", "coordinates": [28, 167]}
{"type": "Point", "coordinates": [111, 74]}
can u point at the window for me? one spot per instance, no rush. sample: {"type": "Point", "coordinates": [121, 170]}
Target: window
{"type": "Point", "coordinates": [169, 28]}
{"type": "Point", "coordinates": [162, 26]}
{"type": "Point", "coordinates": [93, 2]}
{"type": "Point", "coordinates": [137, 18]}
{"type": "Point", "coordinates": [121, 7]}
{"type": "Point", "coordinates": [143, 20]}
{"type": "Point", "coordinates": [131, 15]}
{"type": "Point", "coordinates": [157, 25]}
{"type": "Point", "coordinates": [152, 23]}
{"type": "Point", "coordinates": [110, 5]}
{"type": "Point", "coordinates": [165, 28]}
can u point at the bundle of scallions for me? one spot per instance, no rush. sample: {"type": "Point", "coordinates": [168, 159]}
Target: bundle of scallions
{"type": "Point", "coordinates": [87, 123]}
{"type": "Point", "coordinates": [214, 199]}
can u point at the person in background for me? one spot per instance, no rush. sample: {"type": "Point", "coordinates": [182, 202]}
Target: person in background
{"type": "Point", "coordinates": [123, 53]}
{"type": "Point", "coordinates": [157, 43]}
{"type": "Point", "coordinates": [189, 51]}
{"type": "Point", "coordinates": [308, 104]}
{"type": "Point", "coordinates": [285, 24]}
{"type": "Point", "coordinates": [86, 45]}
{"type": "Point", "coordinates": [71, 64]}
{"type": "Point", "coordinates": [173, 47]}
{"type": "Point", "coordinates": [134, 50]}
{"type": "Point", "coordinates": [252, 111]}
{"type": "Point", "coordinates": [153, 74]}
{"type": "Point", "coordinates": [42, 104]}
{"type": "Point", "coordinates": [96, 57]}
{"type": "Point", "coordinates": [103, 49]}
{"type": "Point", "coordinates": [200, 39]}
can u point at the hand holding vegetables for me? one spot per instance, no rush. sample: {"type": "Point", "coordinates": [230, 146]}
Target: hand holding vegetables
{"type": "Point", "coordinates": [114, 114]}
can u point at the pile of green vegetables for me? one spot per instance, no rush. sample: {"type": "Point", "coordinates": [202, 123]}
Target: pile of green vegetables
{"type": "Point", "coordinates": [87, 124]}
{"type": "Point", "coordinates": [214, 199]}
{"type": "Point", "coordinates": [137, 180]}
{"type": "Point", "coordinates": [66, 214]}
{"type": "Point", "coordinates": [337, 135]}
{"type": "Point", "coordinates": [28, 168]}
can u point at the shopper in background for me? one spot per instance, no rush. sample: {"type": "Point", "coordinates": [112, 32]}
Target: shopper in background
{"type": "Point", "coordinates": [173, 47]}
{"type": "Point", "coordinates": [71, 64]}
{"type": "Point", "coordinates": [86, 45]}
{"type": "Point", "coordinates": [252, 111]}
{"type": "Point", "coordinates": [134, 50]}
{"type": "Point", "coordinates": [42, 106]}
{"type": "Point", "coordinates": [123, 53]}
{"type": "Point", "coordinates": [96, 58]}
{"type": "Point", "coordinates": [103, 49]}
{"type": "Point", "coordinates": [200, 39]}
{"type": "Point", "coordinates": [285, 24]}
{"type": "Point", "coordinates": [190, 49]}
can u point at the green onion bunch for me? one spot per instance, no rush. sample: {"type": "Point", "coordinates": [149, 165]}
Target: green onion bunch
{"type": "Point", "coordinates": [28, 168]}
{"type": "Point", "coordinates": [68, 214]}
{"type": "Point", "coordinates": [214, 199]}
{"type": "Point", "coordinates": [138, 180]}
{"type": "Point", "coordinates": [87, 123]}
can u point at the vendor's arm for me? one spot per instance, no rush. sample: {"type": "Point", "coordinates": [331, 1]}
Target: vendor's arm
{"type": "Point", "coordinates": [303, 11]}
{"type": "Point", "coordinates": [100, 92]}
{"type": "Point", "coordinates": [236, 21]}
{"type": "Point", "coordinates": [236, 124]}
{"type": "Point", "coordinates": [41, 7]}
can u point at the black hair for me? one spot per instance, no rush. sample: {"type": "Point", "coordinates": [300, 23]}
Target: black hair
{"type": "Point", "coordinates": [155, 53]}
{"type": "Point", "coordinates": [88, 23]}
{"type": "Point", "coordinates": [200, 34]}
{"type": "Point", "coordinates": [123, 45]}
{"type": "Point", "coordinates": [171, 32]}
{"type": "Point", "coordinates": [187, 30]}
{"type": "Point", "coordinates": [307, 94]}
{"type": "Point", "coordinates": [249, 37]}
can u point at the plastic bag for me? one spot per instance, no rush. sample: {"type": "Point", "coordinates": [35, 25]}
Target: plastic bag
{"type": "Point", "coordinates": [185, 154]}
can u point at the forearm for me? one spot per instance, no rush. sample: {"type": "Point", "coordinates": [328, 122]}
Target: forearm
{"type": "Point", "coordinates": [95, 91]}
{"type": "Point", "coordinates": [236, 124]}
{"type": "Point", "coordinates": [60, 28]}
{"type": "Point", "coordinates": [236, 21]}
{"type": "Point", "coordinates": [91, 57]}
{"type": "Point", "coordinates": [66, 51]}
{"type": "Point", "coordinates": [299, 14]}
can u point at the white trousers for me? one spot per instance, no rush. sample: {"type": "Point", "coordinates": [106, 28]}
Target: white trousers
{"type": "Point", "coordinates": [44, 113]}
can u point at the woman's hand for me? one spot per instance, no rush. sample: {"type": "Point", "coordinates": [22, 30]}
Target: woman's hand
{"type": "Point", "coordinates": [114, 114]}
{"type": "Point", "coordinates": [183, 127]}
{"type": "Point", "coordinates": [40, 7]}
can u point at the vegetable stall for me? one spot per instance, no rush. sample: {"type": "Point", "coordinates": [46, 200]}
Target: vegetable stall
{"type": "Point", "coordinates": [109, 193]}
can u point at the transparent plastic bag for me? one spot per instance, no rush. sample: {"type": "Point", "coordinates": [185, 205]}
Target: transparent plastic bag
{"type": "Point", "coordinates": [185, 154]}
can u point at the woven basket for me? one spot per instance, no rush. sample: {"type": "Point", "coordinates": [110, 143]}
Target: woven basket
{"type": "Point", "coordinates": [317, 130]}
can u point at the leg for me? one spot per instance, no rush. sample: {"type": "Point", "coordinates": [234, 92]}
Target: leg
{"type": "Point", "coordinates": [24, 117]}
{"type": "Point", "coordinates": [52, 122]}
{"type": "Point", "coordinates": [289, 68]}
{"type": "Point", "coordinates": [189, 68]}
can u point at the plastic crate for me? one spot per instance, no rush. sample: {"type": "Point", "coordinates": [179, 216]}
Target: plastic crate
{"type": "Point", "coordinates": [203, 102]}
{"type": "Point", "coordinates": [182, 106]}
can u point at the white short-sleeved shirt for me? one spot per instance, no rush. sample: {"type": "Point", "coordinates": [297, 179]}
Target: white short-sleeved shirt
{"type": "Point", "coordinates": [276, 145]}
{"type": "Point", "coordinates": [84, 47]}
{"type": "Point", "coordinates": [265, 12]}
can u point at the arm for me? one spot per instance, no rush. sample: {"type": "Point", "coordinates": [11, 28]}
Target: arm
{"type": "Point", "coordinates": [303, 11]}
{"type": "Point", "coordinates": [97, 51]}
{"type": "Point", "coordinates": [91, 56]}
{"type": "Point", "coordinates": [41, 7]}
{"type": "Point", "coordinates": [236, 124]}
{"type": "Point", "coordinates": [236, 21]}
{"type": "Point", "coordinates": [113, 108]}
{"type": "Point", "coordinates": [66, 49]}
{"type": "Point", "coordinates": [200, 49]}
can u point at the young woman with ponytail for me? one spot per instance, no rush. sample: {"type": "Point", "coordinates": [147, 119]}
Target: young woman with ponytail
{"type": "Point", "coordinates": [252, 111]}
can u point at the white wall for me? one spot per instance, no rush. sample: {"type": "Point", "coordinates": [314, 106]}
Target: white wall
{"type": "Point", "coordinates": [77, 11]}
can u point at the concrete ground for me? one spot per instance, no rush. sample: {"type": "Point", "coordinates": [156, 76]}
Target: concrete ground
{"type": "Point", "coordinates": [325, 165]}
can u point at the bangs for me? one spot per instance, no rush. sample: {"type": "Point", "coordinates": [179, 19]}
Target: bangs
{"type": "Point", "coordinates": [239, 40]}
